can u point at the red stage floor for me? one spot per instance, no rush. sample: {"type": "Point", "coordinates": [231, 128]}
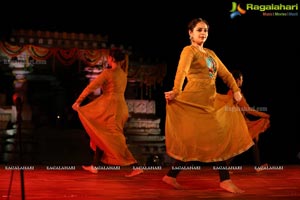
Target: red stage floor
{"type": "Point", "coordinates": [75, 183]}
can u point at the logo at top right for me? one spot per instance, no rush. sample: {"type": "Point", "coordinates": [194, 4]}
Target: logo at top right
{"type": "Point", "coordinates": [236, 10]}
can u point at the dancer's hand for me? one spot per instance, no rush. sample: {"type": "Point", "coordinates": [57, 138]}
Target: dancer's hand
{"type": "Point", "coordinates": [265, 115]}
{"type": "Point", "coordinates": [237, 96]}
{"type": "Point", "coordinates": [169, 96]}
{"type": "Point", "coordinates": [75, 106]}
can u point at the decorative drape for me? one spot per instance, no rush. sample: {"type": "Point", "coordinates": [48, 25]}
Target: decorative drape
{"type": "Point", "coordinates": [65, 56]}
{"type": "Point", "coordinates": [39, 53]}
{"type": "Point", "coordinates": [11, 50]}
{"type": "Point", "coordinates": [92, 57]}
{"type": "Point", "coordinates": [149, 75]}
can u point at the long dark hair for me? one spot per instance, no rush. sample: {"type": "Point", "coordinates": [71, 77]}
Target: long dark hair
{"type": "Point", "coordinates": [120, 56]}
{"type": "Point", "coordinates": [236, 74]}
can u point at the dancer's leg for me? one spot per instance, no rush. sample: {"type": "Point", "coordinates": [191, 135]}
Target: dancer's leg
{"type": "Point", "coordinates": [97, 157]}
{"type": "Point", "coordinates": [225, 181]}
{"type": "Point", "coordinates": [170, 177]}
{"type": "Point", "coordinates": [135, 170]}
{"type": "Point", "coordinates": [256, 154]}
{"type": "Point", "coordinates": [96, 161]}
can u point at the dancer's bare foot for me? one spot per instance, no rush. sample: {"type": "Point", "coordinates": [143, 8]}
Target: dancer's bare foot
{"type": "Point", "coordinates": [261, 168]}
{"type": "Point", "coordinates": [229, 186]}
{"type": "Point", "coordinates": [135, 172]}
{"type": "Point", "coordinates": [172, 181]}
{"type": "Point", "coordinates": [90, 168]}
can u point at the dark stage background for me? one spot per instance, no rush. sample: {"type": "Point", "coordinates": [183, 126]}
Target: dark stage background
{"type": "Point", "coordinates": [266, 49]}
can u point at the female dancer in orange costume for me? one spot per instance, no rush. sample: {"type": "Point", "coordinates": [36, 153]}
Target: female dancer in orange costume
{"type": "Point", "coordinates": [256, 126]}
{"type": "Point", "coordinates": [104, 118]}
{"type": "Point", "coordinates": [198, 127]}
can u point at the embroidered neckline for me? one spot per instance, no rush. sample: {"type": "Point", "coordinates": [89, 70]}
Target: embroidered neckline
{"type": "Point", "coordinates": [211, 65]}
{"type": "Point", "coordinates": [204, 52]}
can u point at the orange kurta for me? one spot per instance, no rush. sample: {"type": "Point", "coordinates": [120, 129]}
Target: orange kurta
{"type": "Point", "coordinates": [256, 126]}
{"type": "Point", "coordinates": [104, 117]}
{"type": "Point", "coordinates": [198, 126]}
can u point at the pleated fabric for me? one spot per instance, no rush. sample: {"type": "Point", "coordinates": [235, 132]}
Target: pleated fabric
{"type": "Point", "coordinates": [104, 118]}
{"type": "Point", "coordinates": [255, 126]}
{"type": "Point", "coordinates": [199, 125]}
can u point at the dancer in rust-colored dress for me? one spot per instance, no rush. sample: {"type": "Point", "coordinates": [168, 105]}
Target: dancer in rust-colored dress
{"type": "Point", "coordinates": [104, 118]}
{"type": "Point", "coordinates": [255, 126]}
{"type": "Point", "coordinates": [198, 127]}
